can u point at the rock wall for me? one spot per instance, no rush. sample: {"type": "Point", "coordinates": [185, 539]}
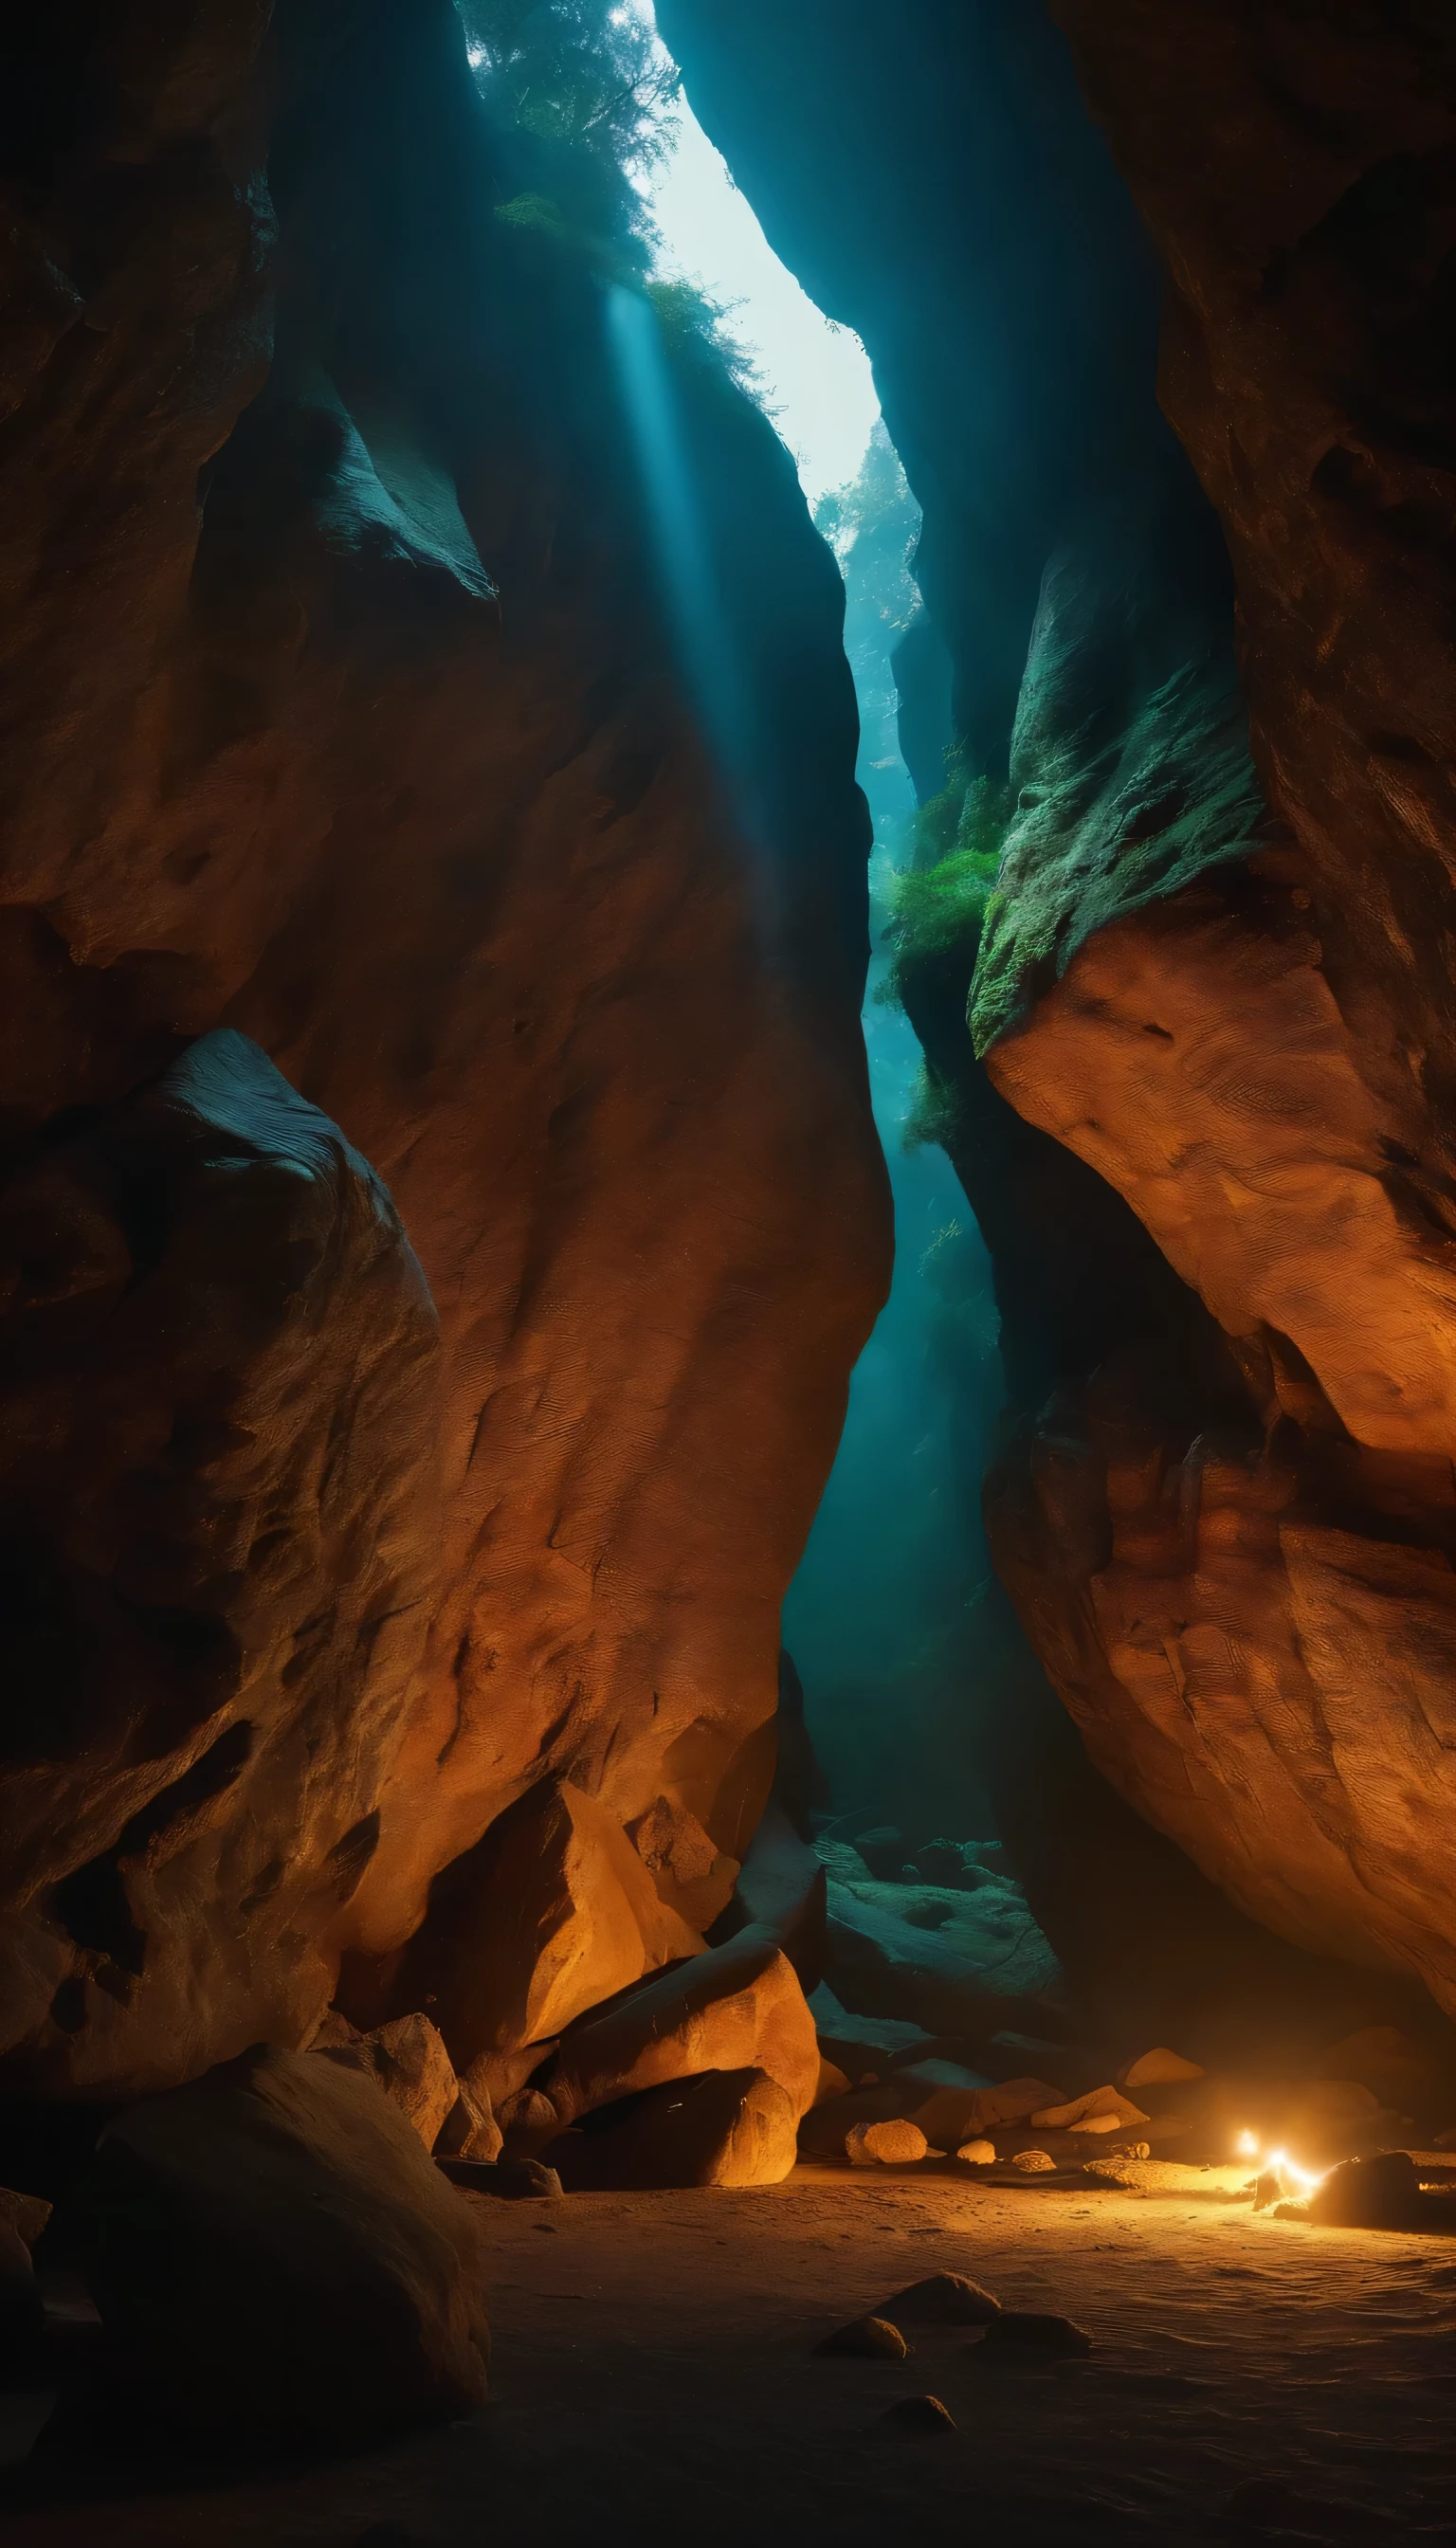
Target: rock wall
{"type": "Point", "coordinates": [1218, 995]}
{"type": "Point", "coordinates": [341, 710]}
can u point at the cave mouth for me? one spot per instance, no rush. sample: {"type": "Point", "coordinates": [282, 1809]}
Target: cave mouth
{"type": "Point", "coordinates": [842, 1795]}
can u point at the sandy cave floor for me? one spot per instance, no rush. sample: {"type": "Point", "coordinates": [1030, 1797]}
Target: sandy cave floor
{"type": "Point", "coordinates": [653, 2382]}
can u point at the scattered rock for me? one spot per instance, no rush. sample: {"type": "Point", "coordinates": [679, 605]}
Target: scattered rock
{"type": "Point", "coordinates": [731, 2128]}
{"type": "Point", "coordinates": [691, 1875]}
{"type": "Point", "coordinates": [920, 2415]}
{"type": "Point", "coordinates": [944, 2300]}
{"type": "Point", "coordinates": [1379, 2192]}
{"type": "Point", "coordinates": [25, 2214]}
{"type": "Point", "coordinates": [1032, 2162]}
{"type": "Point", "coordinates": [513, 2180]}
{"type": "Point", "coordinates": [1038, 2332]}
{"type": "Point", "coordinates": [1159, 2068]}
{"type": "Point", "coordinates": [888, 2145]}
{"type": "Point", "coordinates": [737, 2007]}
{"type": "Point", "coordinates": [866, 2339]}
{"type": "Point", "coordinates": [527, 2121]}
{"type": "Point", "coordinates": [409, 2061]}
{"type": "Point", "coordinates": [977, 2153]}
{"type": "Point", "coordinates": [1100, 2110]}
{"type": "Point", "coordinates": [547, 1915]}
{"type": "Point", "coordinates": [1011, 2101]}
{"type": "Point", "coordinates": [274, 2256]}
{"type": "Point", "coordinates": [469, 2129]}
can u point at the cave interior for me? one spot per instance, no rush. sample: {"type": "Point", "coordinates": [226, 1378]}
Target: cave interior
{"type": "Point", "coordinates": [727, 1499]}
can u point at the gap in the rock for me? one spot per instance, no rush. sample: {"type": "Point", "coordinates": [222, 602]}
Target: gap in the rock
{"type": "Point", "coordinates": [882, 1617]}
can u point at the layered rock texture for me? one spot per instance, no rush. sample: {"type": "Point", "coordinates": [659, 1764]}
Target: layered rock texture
{"type": "Point", "coordinates": [343, 725]}
{"type": "Point", "coordinates": [1205, 957]}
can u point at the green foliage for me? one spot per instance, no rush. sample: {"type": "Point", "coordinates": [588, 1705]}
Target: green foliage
{"type": "Point", "coordinates": [942, 900]}
{"type": "Point", "coordinates": [694, 324]}
{"type": "Point", "coordinates": [587, 87]}
{"type": "Point", "coordinates": [931, 1125]}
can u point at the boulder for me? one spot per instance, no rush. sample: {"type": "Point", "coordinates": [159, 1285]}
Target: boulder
{"type": "Point", "coordinates": [859, 2043]}
{"type": "Point", "coordinates": [865, 2340]}
{"type": "Point", "coordinates": [946, 1959]}
{"type": "Point", "coordinates": [1159, 2068]}
{"type": "Point", "coordinates": [1012, 2101]}
{"type": "Point", "coordinates": [469, 2129]}
{"type": "Point", "coordinates": [887, 2145]}
{"type": "Point", "coordinates": [977, 2153]}
{"type": "Point", "coordinates": [1378, 2193]}
{"type": "Point", "coordinates": [926, 2415]}
{"type": "Point", "coordinates": [1101, 2110]}
{"type": "Point", "coordinates": [943, 2300]}
{"type": "Point", "coordinates": [737, 2007]}
{"type": "Point", "coordinates": [693, 1876]}
{"type": "Point", "coordinates": [1032, 2162]}
{"type": "Point", "coordinates": [218, 1481]}
{"type": "Point", "coordinates": [406, 2060]}
{"type": "Point", "coordinates": [728, 2128]}
{"type": "Point", "coordinates": [551, 1913]}
{"type": "Point", "coordinates": [832, 2082]}
{"type": "Point", "coordinates": [275, 2259]}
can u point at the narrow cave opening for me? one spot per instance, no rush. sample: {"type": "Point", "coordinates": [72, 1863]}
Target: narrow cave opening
{"type": "Point", "coordinates": [654, 645]}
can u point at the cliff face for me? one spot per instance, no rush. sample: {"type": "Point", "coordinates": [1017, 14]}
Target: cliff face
{"type": "Point", "coordinates": [1222, 988]}
{"type": "Point", "coordinates": [341, 710]}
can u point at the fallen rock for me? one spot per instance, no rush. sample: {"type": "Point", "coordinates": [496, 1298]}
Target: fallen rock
{"type": "Point", "coordinates": [866, 2339]}
{"type": "Point", "coordinates": [1137, 2173]}
{"type": "Point", "coordinates": [1379, 2192]}
{"type": "Point", "coordinates": [691, 1873]}
{"type": "Point", "coordinates": [832, 2083]}
{"type": "Point", "coordinates": [469, 2129]}
{"type": "Point", "coordinates": [920, 2415]}
{"type": "Point", "coordinates": [1032, 2162]}
{"type": "Point", "coordinates": [1038, 2331]}
{"type": "Point", "coordinates": [736, 2007]}
{"type": "Point", "coordinates": [547, 1915]}
{"type": "Point", "coordinates": [25, 2214]}
{"type": "Point", "coordinates": [730, 2128]}
{"type": "Point", "coordinates": [1159, 2068]}
{"type": "Point", "coordinates": [1012, 2101]}
{"type": "Point", "coordinates": [977, 2153]}
{"type": "Point", "coordinates": [406, 2060]}
{"type": "Point", "coordinates": [780, 1891]}
{"type": "Point", "coordinates": [275, 2258]}
{"type": "Point", "coordinates": [883, 1849]}
{"type": "Point", "coordinates": [1101, 2110]}
{"type": "Point", "coordinates": [22, 2316]}
{"type": "Point", "coordinates": [510, 2180]}
{"type": "Point", "coordinates": [888, 2145]}
{"type": "Point", "coordinates": [944, 2300]}
{"type": "Point", "coordinates": [948, 1959]}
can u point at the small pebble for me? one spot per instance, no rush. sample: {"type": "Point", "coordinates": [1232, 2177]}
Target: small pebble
{"type": "Point", "coordinates": [866, 2339]}
{"type": "Point", "coordinates": [919, 2415]}
{"type": "Point", "coordinates": [1034, 2162]}
{"type": "Point", "coordinates": [977, 2153]}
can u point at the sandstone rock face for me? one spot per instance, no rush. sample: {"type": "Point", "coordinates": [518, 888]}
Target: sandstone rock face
{"type": "Point", "coordinates": [217, 1506]}
{"type": "Point", "coordinates": [341, 708]}
{"type": "Point", "coordinates": [551, 1913]}
{"type": "Point", "coordinates": [1224, 1509]}
{"type": "Point", "coordinates": [408, 2060]}
{"type": "Point", "coordinates": [275, 2259]}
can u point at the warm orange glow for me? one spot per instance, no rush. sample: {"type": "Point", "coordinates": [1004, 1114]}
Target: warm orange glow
{"type": "Point", "coordinates": [1248, 2146]}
